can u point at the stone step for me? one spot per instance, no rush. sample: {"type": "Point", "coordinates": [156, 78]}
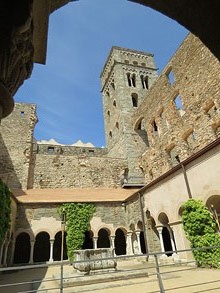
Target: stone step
{"type": "Point", "coordinates": [73, 279]}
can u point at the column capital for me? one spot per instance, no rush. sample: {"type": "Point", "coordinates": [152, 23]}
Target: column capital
{"type": "Point", "coordinates": [129, 233]}
{"type": "Point", "coordinates": [159, 229]}
{"type": "Point", "coordinates": [16, 53]}
{"type": "Point", "coordinates": [138, 232]}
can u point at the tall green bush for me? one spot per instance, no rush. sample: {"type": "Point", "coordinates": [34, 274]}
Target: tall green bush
{"type": "Point", "coordinates": [78, 216]}
{"type": "Point", "coordinates": [200, 229]}
{"type": "Point", "coordinates": [5, 209]}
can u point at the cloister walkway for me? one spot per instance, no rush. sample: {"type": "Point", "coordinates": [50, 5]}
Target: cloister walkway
{"type": "Point", "coordinates": [180, 279]}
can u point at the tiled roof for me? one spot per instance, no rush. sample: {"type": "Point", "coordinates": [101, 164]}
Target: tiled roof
{"type": "Point", "coordinates": [73, 195]}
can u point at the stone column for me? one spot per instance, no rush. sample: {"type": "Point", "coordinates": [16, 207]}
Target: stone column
{"type": "Point", "coordinates": [112, 244]}
{"type": "Point", "coordinates": [112, 241]}
{"type": "Point", "coordinates": [95, 240]}
{"type": "Point", "coordinates": [159, 229]}
{"type": "Point", "coordinates": [171, 238]}
{"type": "Point", "coordinates": [31, 259]}
{"type": "Point", "coordinates": [129, 246]}
{"type": "Point", "coordinates": [174, 255]}
{"type": "Point", "coordinates": [139, 241]}
{"type": "Point", "coordinates": [12, 252]}
{"type": "Point", "coordinates": [1, 253]}
{"type": "Point", "coordinates": [51, 250]}
{"type": "Point", "coordinates": [5, 253]}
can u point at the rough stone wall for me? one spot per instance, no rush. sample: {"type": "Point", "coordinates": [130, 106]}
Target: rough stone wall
{"type": "Point", "coordinates": [107, 215]}
{"type": "Point", "coordinates": [176, 131]}
{"type": "Point", "coordinates": [63, 171]}
{"type": "Point", "coordinates": [16, 138]}
{"type": "Point", "coordinates": [26, 214]}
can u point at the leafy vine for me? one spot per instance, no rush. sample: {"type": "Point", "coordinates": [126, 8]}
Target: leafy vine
{"type": "Point", "coordinates": [78, 216]}
{"type": "Point", "coordinates": [5, 209]}
{"type": "Point", "coordinates": [200, 229]}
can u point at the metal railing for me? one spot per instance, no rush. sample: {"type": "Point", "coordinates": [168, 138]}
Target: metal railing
{"type": "Point", "coordinates": [157, 264]}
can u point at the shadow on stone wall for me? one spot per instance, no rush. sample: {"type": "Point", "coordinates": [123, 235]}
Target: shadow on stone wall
{"type": "Point", "coordinates": [7, 170]}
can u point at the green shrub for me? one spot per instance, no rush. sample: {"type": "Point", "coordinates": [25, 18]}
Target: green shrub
{"type": "Point", "coordinates": [5, 210]}
{"type": "Point", "coordinates": [78, 216]}
{"type": "Point", "coordinates": [200, 229]}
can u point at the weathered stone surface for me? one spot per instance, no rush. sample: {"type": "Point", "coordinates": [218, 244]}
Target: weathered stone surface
{"type": "Point", "coordinates": [94, 260]}
{"type": "Point", "coordinates": [181, 133]}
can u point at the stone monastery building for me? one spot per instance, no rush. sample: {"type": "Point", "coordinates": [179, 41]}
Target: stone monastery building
{"type": "Point", "coordinates": [163, 147]}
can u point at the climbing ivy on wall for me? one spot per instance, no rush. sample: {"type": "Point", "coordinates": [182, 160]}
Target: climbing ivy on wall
{"type": "Point", "coordinates": [78, 216]}
{"type": "Point", "coordinates": [201, 231]}
{"type": "Point", "coordinates": [5, 209]}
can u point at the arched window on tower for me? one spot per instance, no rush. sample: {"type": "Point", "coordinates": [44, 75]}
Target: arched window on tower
{"type": "Point", "coordinates": [113, 84]}
{"type": "Point", "coordinates": [133, 80]}
{"type": "Point", "coordinates": [129, 79]}
{"type": "Point", "coordinates": [134, 98]}
{"type": "Point", "coordinates": [139, 128]}
{"type": "Point", "coordinates": [144, 82]}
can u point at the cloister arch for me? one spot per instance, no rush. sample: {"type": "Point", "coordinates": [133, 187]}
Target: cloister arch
{"type": "Point", "coordinates": [140, 227]}
{"type": "Point", "coordinates": [22, 248]}
{"type": "Point", "coordinates": [214, 201]}
{"type": "Point", "coordinates": [120, 242]}
{"type": "Point", "coordinates": [153, 240]}
{"type": "Point", "coordinates": [213, 204]}
{"type": "Point", "coordinates": [57, 247]}
{"type": "Point", "coordinates": [103, 238]}
{"type": "Point", "coordinates": [166, 234]}
{"type": "Point", "coordinates": [88, 241]}
{"type": "Point", "coordinates": [42, 247]}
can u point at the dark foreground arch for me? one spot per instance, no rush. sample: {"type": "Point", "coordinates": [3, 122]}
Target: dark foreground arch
{"type": "Point", "coordinates": [201, 17]}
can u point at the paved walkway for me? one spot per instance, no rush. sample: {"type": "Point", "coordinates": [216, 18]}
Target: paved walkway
{"type": "Point", "coordinates": [180, 279]}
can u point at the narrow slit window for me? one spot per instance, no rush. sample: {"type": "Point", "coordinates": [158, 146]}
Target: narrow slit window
{"type": "Point", "coordinates": [22, 113]}
{"type": "Point", "coordinates": [133, 80]}
{"type": "Point", "coordinates": [155, 127]}
{"type": "Point", "coordinates": [144, 82]}
{"type": "Point", "coordinates": [134, 98]}
{"type": "Point", "coordinates": [129, 79]}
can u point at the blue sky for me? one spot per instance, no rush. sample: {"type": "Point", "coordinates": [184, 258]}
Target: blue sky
{"type": "Point", "coordinates": [81, 34]}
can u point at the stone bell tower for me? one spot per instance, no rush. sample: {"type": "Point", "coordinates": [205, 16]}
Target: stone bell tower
{"type": "Point", "coordinates": [126, 78]}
